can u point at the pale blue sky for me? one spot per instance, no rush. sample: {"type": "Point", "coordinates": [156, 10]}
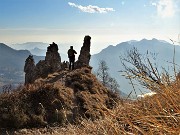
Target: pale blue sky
{"type": "Point", "coordinates": [106, 21]}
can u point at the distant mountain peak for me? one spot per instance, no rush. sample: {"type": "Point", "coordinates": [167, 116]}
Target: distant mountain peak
{"type": "Point", "coordinates": [36, 48]}
{"type": "Point", "coordinates": [110, 46]}
{"type": "Point", "coordinates": [132, 41]}
{"type": "Point", "coordinates": [34, 43]}
{"type": "Point", "coordinates": [111, 54]}
{"type": "Point", "coordinates": [30, 45]}
{"type": "Point", "coordinates": [4, 46]}
{"type": "Point", "coordinates": [143, 40]}
{"type": "Point", "coordinates": [154, 39]}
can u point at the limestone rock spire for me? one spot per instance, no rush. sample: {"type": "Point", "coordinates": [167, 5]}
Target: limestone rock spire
{"type": "Point", "coordinates": [84, 57]}
{"type": "Point", "coordinates": [29, 70]}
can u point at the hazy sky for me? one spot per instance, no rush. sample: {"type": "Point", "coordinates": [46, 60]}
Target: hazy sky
{"type": "Point", "coordinates": [106, 21]}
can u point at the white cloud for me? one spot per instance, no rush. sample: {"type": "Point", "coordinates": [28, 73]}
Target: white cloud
{"type": "Point", "coordinates": [91, 9]}
{"type": "Point", "coordinates": [154, 4]}
{"type": "Point", "coordinates": [165, 8]}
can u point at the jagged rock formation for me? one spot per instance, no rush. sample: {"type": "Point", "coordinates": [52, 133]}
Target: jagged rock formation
{"type": "Point", "coordinates": [53, 58]}
{"type": "Point", "coordinates": [51, 64]}
{"type": "Point", "coordinates": [29, 70]}
{"type": "Point", "coordinates": [84, 57]}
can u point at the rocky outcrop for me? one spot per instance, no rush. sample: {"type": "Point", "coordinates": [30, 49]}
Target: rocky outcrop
{"type": "Point", "coordinates": [29, 70]}
{"type": "Point", "coordinates": [53, 59]}
{"type": "Point", "coordinates": [65, 96]}
{"type": "Point", "coordinates": [84, 57]}
{"type": "Point", "coordinates": [51, 64]}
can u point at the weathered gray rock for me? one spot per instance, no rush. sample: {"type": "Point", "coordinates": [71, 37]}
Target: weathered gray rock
{"type": "Point", "coordinates": [53, 59]}
{"type": "Point", "coordinates": [64, 65]}
{"type": "Point", "coordinates": [30, 70]}
{"type": "Point", "coordinates": [42, 69]}
{"type": "Point", "coordinates": [51, 64]}
{"type": "Point", "coordinates": [84, 57]}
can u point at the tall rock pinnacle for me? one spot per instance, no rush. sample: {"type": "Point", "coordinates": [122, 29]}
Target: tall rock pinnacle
{"type": "Point", "coordinates": [84, 57]}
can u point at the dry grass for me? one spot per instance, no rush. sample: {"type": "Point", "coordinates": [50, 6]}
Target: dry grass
{"type": "Point", "coordinates": [155, 115]}
{"type": "Point", "coordinates": [159, 114]}
{"type": "Point", "coordinates": [68, 97]}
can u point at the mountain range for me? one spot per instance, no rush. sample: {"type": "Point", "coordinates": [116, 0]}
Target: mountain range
{"type": "Point", "coordinates": [163, 50]}
{"type": "Point", "coordinates": [39, 48]}
{"type": "Point", "coordinates": [12, 64]}
{"type": "Point", "coordinates": [12, 60]}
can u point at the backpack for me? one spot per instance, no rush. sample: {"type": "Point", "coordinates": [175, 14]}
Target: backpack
{"type": "Point", "coordinates": [70, 52]}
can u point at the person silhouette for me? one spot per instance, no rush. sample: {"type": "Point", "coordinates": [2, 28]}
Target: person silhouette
{"type": "Point", "coordinates": [71, 56]}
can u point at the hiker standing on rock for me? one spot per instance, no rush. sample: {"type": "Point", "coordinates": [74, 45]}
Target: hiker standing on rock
{"type": "Point", "coordinates": [71, 56]}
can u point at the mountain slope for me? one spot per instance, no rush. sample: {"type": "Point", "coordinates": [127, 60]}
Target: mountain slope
{"type": "Point", "coordinates": [38, 52]}
{"type": "Point", "coordinates": [12, 58]}
{"type": "Point", "coordinates": [111, 54]}
{"type": "Point", "coordinates": [30, 45]}
{"type": "Point", "coordinates": [12, 65]}
{"type": "Point", "coordinates": [39, 49]}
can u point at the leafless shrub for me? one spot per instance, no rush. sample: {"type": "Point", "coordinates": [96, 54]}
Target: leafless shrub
{"type": "Point", "coordinates": [104, 77]}
{"type": "Point", "coordinates": [141, 68]}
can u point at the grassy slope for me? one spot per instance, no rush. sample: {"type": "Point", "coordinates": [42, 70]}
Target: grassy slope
{"type": "Point", "coordinates": [62, 97]}
{"type": "Point", "coordinates": [159, 114]}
